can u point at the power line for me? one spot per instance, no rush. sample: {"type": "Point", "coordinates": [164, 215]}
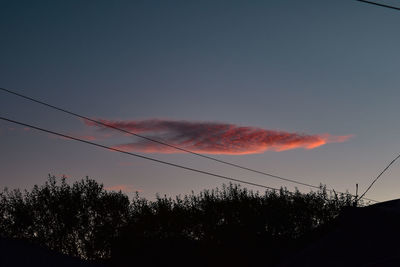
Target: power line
{"type": "Point", "coordinates": [378, 4]}
{"type": "Point", "coordinates": [137, 155]}
{"type": "Point", "coordinates": [396, 158]}
{"type": "Point", "coordinates": [163, 143]}
{"type": "Point", "coordinates": [160, 142]}
{"type": "Point", "coordinates": [149, 158]}
{"type": "Point", "coordinates": [384, 170]}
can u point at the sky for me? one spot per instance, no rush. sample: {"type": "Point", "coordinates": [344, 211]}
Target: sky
{"type": "Point", "coordinates": [307, 90]}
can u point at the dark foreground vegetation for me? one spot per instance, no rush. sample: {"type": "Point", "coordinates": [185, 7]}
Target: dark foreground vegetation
{"type": "Point", "coordinates": [228, 226]}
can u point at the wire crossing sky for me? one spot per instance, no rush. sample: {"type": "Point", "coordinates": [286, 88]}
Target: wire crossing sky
{"type": "Point", "coordinates": [108, 125]}
{"type": "Point", "coordinates": [320, 77]}
{"type": "Point", "coordinates": [242, 181]}
{"type": "Point", "coordinates": [136, 155]}
{"type": "Point", "coordinates": [379, 4]}
{"type": "Point", "coordinates": [156, 141]}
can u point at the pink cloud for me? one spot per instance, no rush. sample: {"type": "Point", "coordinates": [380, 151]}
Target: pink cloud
{"type": "Point", "coordinates": [214, 138]}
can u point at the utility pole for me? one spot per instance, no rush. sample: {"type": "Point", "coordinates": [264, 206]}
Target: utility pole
{"type": "Point", "coordinates": [355, 204]}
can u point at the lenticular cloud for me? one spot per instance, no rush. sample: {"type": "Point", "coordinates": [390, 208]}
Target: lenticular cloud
{"type": "Point", "coordinates": [213, 138]}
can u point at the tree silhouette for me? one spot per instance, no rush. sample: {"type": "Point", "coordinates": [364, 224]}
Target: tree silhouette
{"type": "Point", "coordinates": [85, 220]}
{"type": "Point", "coordinates": [78, 220]}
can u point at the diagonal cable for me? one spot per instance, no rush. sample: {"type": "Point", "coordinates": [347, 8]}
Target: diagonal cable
{"type": "Point", "coordinates": [379, 4]}
{"type": "Point", "coordinates": [164, 143]}
{"type": "Point", "coordinates": [137, 155]}
{"type": "Point", "coordinates": [376, 179]}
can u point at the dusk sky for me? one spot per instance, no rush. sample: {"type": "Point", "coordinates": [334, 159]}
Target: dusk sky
{"type": "Point", "coordinates": [307, 90]}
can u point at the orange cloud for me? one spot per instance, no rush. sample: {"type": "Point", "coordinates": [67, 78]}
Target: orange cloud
{"type": "Point", "coordinates": [214, 138]}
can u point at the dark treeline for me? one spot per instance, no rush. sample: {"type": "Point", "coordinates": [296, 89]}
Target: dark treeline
{"type": "Point", "coordinates": [225, 226]}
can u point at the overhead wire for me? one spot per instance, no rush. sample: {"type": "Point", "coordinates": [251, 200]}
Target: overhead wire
{"type": "Point", "coordinates": [149, 158]}
{"type": "Point", "coordinates": [136, 155]}
{"type": "Point", "coordinates": [163, 143]}
{"type": "Point", "coordinates": [379, 4]}
{"type": "Point", "coordinates": [380, 174]}
{"type": "Point", "coordinates": [396, 158]}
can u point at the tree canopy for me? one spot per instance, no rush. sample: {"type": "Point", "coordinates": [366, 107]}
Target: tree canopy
{"type": "Point", "coordinates": [87, 221]}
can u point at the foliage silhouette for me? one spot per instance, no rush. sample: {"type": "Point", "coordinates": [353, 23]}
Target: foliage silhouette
{"type": "Point", "coordinates": [78, 220]}
{"type": "Point", "coordinates": [87, 221]}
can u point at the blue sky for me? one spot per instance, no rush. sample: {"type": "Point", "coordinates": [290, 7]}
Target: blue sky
{"type": "Point", "coordinates": [310, 67]}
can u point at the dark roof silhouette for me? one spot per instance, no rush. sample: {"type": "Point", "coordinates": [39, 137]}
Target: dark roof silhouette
{"type": "Point", "coordinates": [366, 236]}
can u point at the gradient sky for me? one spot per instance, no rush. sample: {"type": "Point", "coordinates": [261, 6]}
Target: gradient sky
{"type": "Point", "coordinates": [303, 67]}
